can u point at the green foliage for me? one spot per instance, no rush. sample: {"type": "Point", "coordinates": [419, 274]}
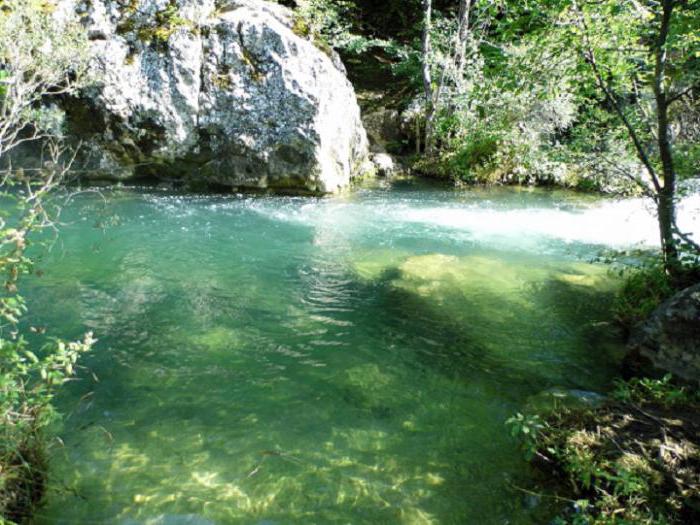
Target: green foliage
{"type": "Point", "coordinates": [4, 79]}
{"type": "Point", "coordinates": [333, 25]}
{"type": "Point", "coordinates": [527, 428]}
{"type": "Point", "coordinates": [663, 391]}
{"type": "Point", "coordinates": [687, 157]}
{"type": "Point", "coordinates": [528, 108]}
{"type": "Point", "coordinates": [502, 119]}
{"type": "Point", "coordinates": [617, 460]}
{"type": "Point", "coordinates": [643, 290]}
{"type": "Point", "coordinates": [30, 369]}
{"type": "Point", "coordinates": [648, 285]}
{"type": "Point", "coordinates": [324, 21]}
{"type": "Point", "coordinates": [621, 37]}
{"type": "Point", "coordinates": [28, 382]}
{"type": "Point", "coordinates": [40, 56]}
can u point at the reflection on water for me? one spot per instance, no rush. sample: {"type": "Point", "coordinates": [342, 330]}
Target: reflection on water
{"type": "Point", "coordinates": [342, 360]}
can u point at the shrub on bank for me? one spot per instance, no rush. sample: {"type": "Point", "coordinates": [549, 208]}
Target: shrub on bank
{"type": "Point", "coordinates": [642, 291]}
{"type": "Point", "coordinates": [43, 53]}
{"type": "Point", "coordinates": [28, 382]}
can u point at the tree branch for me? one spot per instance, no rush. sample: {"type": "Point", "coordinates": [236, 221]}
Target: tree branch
{"type": "Point", "coordinates": [677, 96]}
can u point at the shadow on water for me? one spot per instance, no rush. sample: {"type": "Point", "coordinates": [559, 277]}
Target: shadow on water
{"type": "Point", "coordinates": [469, 333]}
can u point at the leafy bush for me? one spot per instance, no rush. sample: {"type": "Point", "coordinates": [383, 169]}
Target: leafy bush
{"type": "Point", "coordinates": [28, 382]}
{"type": "Point", "coordinates": [663, 391]}
{"type": "Point", "coordinates": [331, 25]}
{"type": "Point", "coordinates": [527, 428]}
{"type": "Point", "coordinates": [30, 372]}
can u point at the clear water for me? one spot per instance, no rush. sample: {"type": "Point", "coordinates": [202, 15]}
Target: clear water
{"type": "Point", "coordinates": [274, 360]}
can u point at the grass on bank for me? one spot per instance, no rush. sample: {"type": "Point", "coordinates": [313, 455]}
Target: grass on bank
{"type": "Point", "coordinates": [646, 287]}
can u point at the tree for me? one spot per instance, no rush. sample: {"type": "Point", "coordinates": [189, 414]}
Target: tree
{"type": "Point", "coordinates": [465, 8]}
{"type": "Point", "coordinates": [634, 61]}
{"type": "Point", "coordinates": [40, 57]}
{"type": "Point", "coordinates": [427, 51]}
{"type": "Point", "coordinates": [451, 68]}
{"type": "Point", "coordinates": [644, 59]}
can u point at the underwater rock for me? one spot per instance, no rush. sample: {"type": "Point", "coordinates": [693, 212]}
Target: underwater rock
{"type": "Point", "coordinates": [670, 339]}
{"type": "Point", "coordinates": [216, 94]}
{"type": "Point", "coordinates": [442, 277]}
{"type": "Point", "coordinates": [373, 265]}
{"type": "Point", "coordinates": [557, 398]}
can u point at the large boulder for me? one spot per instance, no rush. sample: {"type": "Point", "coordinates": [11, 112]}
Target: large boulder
{"type": "Point", "coordinates": [218, 93]}
{"type": "Point", "coordinates": [670, 339]}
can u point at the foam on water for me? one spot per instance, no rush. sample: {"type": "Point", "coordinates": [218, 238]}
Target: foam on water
{"type": "Point", "coordinates": [524, 228]}
{"type": "Point", "coordinates": [612, 223]}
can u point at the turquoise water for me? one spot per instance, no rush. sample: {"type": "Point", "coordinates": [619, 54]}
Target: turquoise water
{"type": "Point", "coordinates": [353, 359]}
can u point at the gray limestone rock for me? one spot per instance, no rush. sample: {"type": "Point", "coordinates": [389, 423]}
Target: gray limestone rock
{"type": "Point", "coordinates": [221, 94]}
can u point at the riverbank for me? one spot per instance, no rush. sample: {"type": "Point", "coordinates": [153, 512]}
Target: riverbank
{"type": "Point", "coordinates": [635, 457]}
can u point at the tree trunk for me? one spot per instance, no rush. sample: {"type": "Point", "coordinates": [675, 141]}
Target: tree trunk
{"type": "Point", "coordinates": [465, 7]}
{"type": "Point", "coordinates": [666, 196]}
{"type": "Point", "coordinates": [666, 210]}
{"type": "Point", "coordinates": [427, 75]}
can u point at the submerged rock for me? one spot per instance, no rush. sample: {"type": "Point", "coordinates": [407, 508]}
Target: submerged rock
{"type": "Point", "coordinates": [670, 339]}
{"type": "Point", "coordinates": [219, 94]}
{"type": "Point", "coordinates": [449, 279]}
{"type": "Point", "coordinates": [557, 398]}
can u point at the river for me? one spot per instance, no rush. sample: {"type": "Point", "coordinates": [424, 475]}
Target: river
{"type": "Point", "coordinates": [351, 359]}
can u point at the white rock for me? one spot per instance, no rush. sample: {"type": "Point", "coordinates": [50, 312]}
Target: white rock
{"type": "Point", "coordinates": [230, 96]}
{"type": "Point", "coordinates": [385, 164]}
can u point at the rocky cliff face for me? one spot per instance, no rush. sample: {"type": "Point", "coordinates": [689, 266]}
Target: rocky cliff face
{"type": "Point", "coordinates": [220, 93]}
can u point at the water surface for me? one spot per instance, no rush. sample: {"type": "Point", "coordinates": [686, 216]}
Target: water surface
{"type": "Point", "coordinates": [274, 360]}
